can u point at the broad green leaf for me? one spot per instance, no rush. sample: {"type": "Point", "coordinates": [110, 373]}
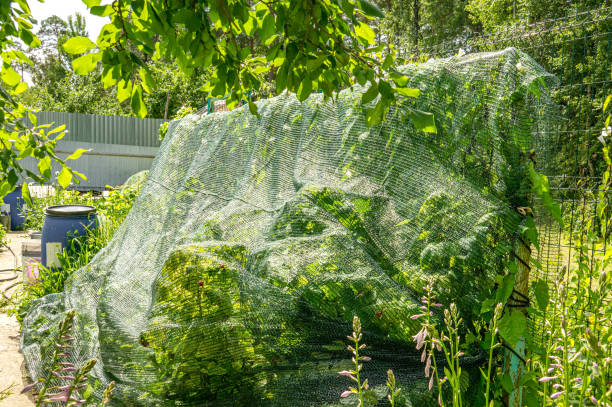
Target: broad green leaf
{"type": "Point", "coordinates": [370, 9]}
{"type": "Point", "coordinates": [33, 118]}
{"type": "Point", "coordinates": [91, 3]}
{"type": "Point", "coordinates": [505, 289]}
{"type": "Point", "coordinates": [65, 177]}
{"type": "Point", "coordinates": [78, 45]}
{"type": "Point", "coordinates": [10, 76]}
{"type": "Point", "coordinates": [423, 121]}
{"type": "Point", "coordinates": [267, 28]}
{"type": "Point", "coordinates": [370, 94]}
{"type": "Point", "coordinates": [512, 326]}
{"type": "Point", "coordinates": [253, 109]}
{"type": "Point", "coordinates": [25, 193]}
{"type": "Point", "coordinates": [124, 90]}
{"type": "Point", "coordinates": [408, 92]}
{"type": "Point", "coordinates": [148, 83]}
{"type": "Point", "coordinates": [376, 114]}
{"type": "Point", "coordinates": [44, 167]}
{"type": "Point", "coordinates": [304, 89]}
{"type": "Point", "coordinates": [86, 63]}
{"type": "Point", "coordinates": [76, 154]}
{"type": "Point", "coordinates": [102, 11]}
{"type": "Point", "coordinates": [540, 289]}
{"type": "Point", "coordinates": [530, 231]}
{"type": "Point", "coordinates": [366, 33]}
{"type": "Point", "coordinates": [541, 187]}
{"type": "Point", "coordinates": [137, 103]}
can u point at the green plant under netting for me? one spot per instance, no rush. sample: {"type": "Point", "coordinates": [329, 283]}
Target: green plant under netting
{"type": "Point", "coordinates": [255, 241]}
{"type": "Point", "coordinates": [80, 250]}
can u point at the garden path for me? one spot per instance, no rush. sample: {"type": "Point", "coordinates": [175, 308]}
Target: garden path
{"type": "Point", "coordinates": [12, 368]}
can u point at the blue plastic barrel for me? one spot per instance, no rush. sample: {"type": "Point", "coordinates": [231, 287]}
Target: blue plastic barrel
{"type": "Point", "coordinates": [15, 200]}
{"type": "Point", "coordinates": [62, 224]}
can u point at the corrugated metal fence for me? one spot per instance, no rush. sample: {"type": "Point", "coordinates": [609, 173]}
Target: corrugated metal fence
{"type": "Point", "coordinates": [93, 128]}
{"type": "Point", "coordinates": [119, 146]}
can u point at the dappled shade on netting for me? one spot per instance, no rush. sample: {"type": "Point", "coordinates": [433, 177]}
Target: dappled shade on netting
{"type": "Point", "coordinates": [254, 241]}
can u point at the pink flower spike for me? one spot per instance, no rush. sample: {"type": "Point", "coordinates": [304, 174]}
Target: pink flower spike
{"type": "Point", "coordinates": [29, 387]}
{"type": "Point", "coordinates": [61, 396]}
{"type": "Point", "coordinates": [557, 394]}
{"type": "Point", "coordinates": [366, 358]}
{"type": "Point", "coordinates": [437, 305]}
{"type": "Point", "coordinates": [417, 316]}
{"type": "Point", "coordinates": [346, 393]}
{"type": "Point", "coordinates": [547, 379]}
{"type": "Point", "coordinates": [594, 400]}
{"type": "Point", "coordinates": [557, 386]}
{"type": "Point", "coordinates": [347, 374]}
{"type": "Point", "coordinates": [577, 380]}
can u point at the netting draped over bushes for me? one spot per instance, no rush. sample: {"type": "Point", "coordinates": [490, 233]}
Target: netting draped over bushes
{"type": "Point", "coordinates": [235, 277]}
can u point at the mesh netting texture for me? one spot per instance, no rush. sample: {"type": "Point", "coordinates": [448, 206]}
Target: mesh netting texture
{"type": "Point", "coordinates": [254, 241]}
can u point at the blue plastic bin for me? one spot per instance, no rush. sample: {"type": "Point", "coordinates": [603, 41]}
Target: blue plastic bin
{"type": "Point", "coordinates": [62, 224]}
{"type": "Point", "coordinates": [15, 200]}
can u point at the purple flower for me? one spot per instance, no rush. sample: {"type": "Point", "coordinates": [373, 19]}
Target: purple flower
{"type": "Point", "coordinates": [29, 387]}
{"type": "Point", "coordinates": [547, 379]}
{"type": "Point", "coordinates": [366, 358]}
{"type": "Point", "coordinates": [347, 374]}
{"type": "Point", "coordinates": [417, 316]}
{"type": "Point", "coordinates": [346, 393]}
{"type": "Point", "coordinates": [557, 394]}
{"type": "Point", "coordinates": [61, 396]}
{"type": "Point", "coordinates": [594, 400]}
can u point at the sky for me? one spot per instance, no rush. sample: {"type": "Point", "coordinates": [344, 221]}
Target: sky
{"type": "Point", "coordinates": [65, 8]}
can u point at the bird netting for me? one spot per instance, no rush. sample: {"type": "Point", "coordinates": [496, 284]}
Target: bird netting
{"type": "Point", "coordinates": [254, 241]}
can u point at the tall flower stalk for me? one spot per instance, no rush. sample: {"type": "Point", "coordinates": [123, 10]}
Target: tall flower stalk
{"type": "Point", "coordinates": [354, 374]}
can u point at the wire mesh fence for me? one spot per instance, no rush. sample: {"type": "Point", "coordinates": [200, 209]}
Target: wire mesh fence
{"type": "Point", "coordinates": [576, 49]}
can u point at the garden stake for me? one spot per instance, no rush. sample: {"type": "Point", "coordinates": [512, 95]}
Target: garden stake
{"type": "Point", "coordinates": [514, 360]}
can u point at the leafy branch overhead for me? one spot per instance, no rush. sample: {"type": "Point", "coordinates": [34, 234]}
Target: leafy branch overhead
{"type": "Point", "coordinates": [17, 139]}
{"type": "Point", "coordinates": [311, 46]}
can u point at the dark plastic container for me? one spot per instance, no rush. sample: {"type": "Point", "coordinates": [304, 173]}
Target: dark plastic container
{"type": "Point", "coordinates": [15, 200]}
{"type": "Point", "coordinates": [62, 224]}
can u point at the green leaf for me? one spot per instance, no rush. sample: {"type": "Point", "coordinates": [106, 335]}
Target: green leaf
{"type": "Point", "coordinates": [540, 289]}
{"type": "Point", "coordinates": [76, 154]}
{"type": "Point", "coordinates": [124, 90]}
{"type": "Point", "coordinates": [370, 9]}
{"type": "Point", "coordinates": [102, 11]}
{"type": "Point", "coordinates": [10, 76]}
{"type": "Point", "coordinates": [304, 89]}
{"type": "Point", "coordinates": [65, 177]}
{"type": "Point", "coordinates": [541, 187]}
{"type": "Point", "coordinates": [399, 79]}
{"type": "Point", "coordinates": [78, 45]}
{"type": "Point", "coordinates": [267, 28]}
{"type": "Point", "coordinates": [148, 83]}
{"type": "Point", "coordinates": [505, 288]}
{"type": "Point", "coordinates": [530, 231]}
{"type": "Point", "coordinates": [408, 92]}
{"type": "Point", "coordinates": [365, 33]}
{"type": "Point", "coordinates": [376, 115]}
{"type": "Point", "coordinates": [607, 102]}
{"type": "Point", "coordinates": [423, 121]}
{"type": "Point", "coordinates": [253, 109]}
{"type": "Point", "coordinates": [25, 193]}
{"type": "Point", "coordinates": [86, 63]}
{"type": "Point", "coordinates": [370, 94]}
{"type": "Point", "coordinates": [91, 3]}
{"type": "Point", "coordinates": [44, 167]}
{"type": "Point", "coordinates": [137, 103]}
{"type": "Point", "coordinates": [512, 326]}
